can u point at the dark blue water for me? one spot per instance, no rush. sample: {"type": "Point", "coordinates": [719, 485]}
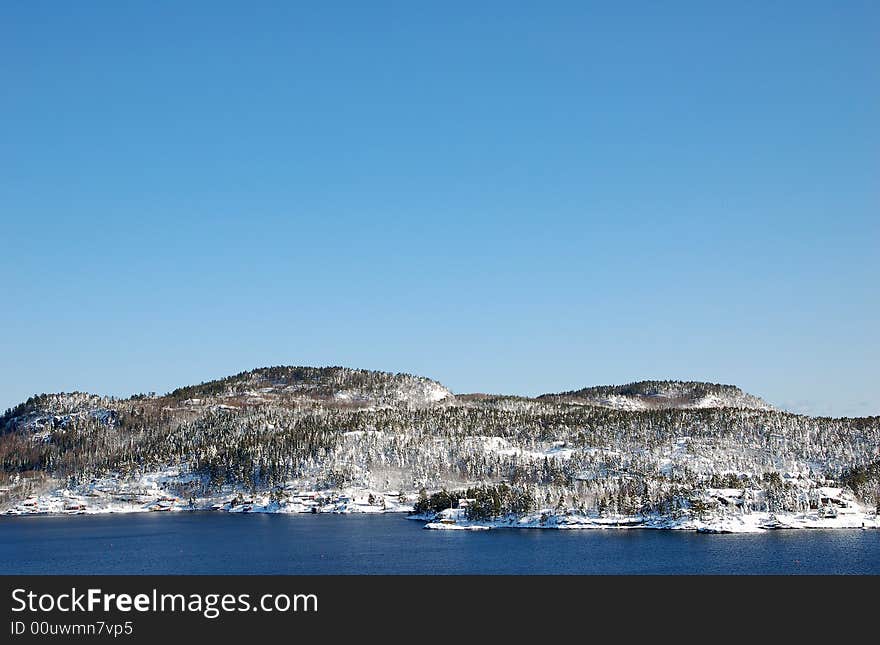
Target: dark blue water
{"type": "Point", "coordinates": [219, 543]}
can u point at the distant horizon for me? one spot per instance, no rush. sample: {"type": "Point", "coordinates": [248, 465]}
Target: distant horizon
{"type": "Point", "coordinates": [503, 198]}
{"type": "Point", "coordinates": [455, 392]}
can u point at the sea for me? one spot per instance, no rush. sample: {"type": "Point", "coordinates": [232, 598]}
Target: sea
{"type": "Point", "coordinates": [224, 543]}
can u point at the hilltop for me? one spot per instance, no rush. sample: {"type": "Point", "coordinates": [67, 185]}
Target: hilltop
{"type": "Point", "coordinates": [647, 395]}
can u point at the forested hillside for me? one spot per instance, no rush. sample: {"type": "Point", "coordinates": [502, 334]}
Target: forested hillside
{"type": "Point", "coordinates": [331, 429]}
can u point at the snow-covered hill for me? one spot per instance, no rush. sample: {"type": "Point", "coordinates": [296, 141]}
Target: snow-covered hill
{"type": "Point", "coordinates": [650, 395]}
{"type": "Point", "coordinates": [326, 386]}
{"type": "Point", "coordinates": [47, 412]}
{"type": "Point", "coordinates": [307, 439]}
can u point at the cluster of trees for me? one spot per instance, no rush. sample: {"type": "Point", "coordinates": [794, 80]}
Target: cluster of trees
{"type": "Point", "coordinates": [318, 381]}
{"type": "Point", "coordinates": [695, 389]}
{"type": "Point", "coordinates": [61, 405]}
{"type": "Point", "coordinates": [864, 480]}
{"type": "Point", "coordinates": [481, 502]}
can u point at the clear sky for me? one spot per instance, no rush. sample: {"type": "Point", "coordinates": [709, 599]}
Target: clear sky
{"type": "Point", "coordinates": [505, 196]}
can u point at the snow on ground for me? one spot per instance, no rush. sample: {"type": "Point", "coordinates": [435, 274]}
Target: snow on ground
{"type": "Point", "coordinates": [840, 511]}
{"type": "Point", "coordinates": [731, 400]}
{"type": "Point", "coordinates": [721, 523]}
{"type": "Point", "coordinates": [621, 402]}
{"type": "Point", "coordinates": [453, 519]}
{"type": "Point", "coordinates": [673, 399]}
{"type": "Point", "coordinates": [149, 492]}
{"type": "Point", "coordinates": [356, 434]}
{"type": "Point", "coordinates": [351, 397]}
{"type": "Point", "coordinates": [501, 446]}
{"type": "Point", "coordinates": [420, 392]}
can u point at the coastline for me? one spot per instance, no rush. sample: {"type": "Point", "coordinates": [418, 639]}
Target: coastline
{"type": "Point", "coordinates": [163, 491]}
{"type": "Point", "coordinates": [456, 519]}
{"type": "Point", "coordinates": [756, 522]}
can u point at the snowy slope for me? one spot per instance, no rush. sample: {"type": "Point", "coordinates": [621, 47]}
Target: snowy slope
{"type": "Point", "coordinates": [651, 395]}
{"type": "Point", "coordinates": [294, 439]}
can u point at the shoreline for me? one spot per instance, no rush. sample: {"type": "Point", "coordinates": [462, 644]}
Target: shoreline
{"type": "Point", "coordinates": [759, 522]}
{"type": "Point", "coordinates": [164, 491]}
{"type": "Point", "coordinates": [754, 522]}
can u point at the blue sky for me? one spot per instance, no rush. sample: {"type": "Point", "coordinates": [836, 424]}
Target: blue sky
{"type": "Point", "coordinates": [506, 197]}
